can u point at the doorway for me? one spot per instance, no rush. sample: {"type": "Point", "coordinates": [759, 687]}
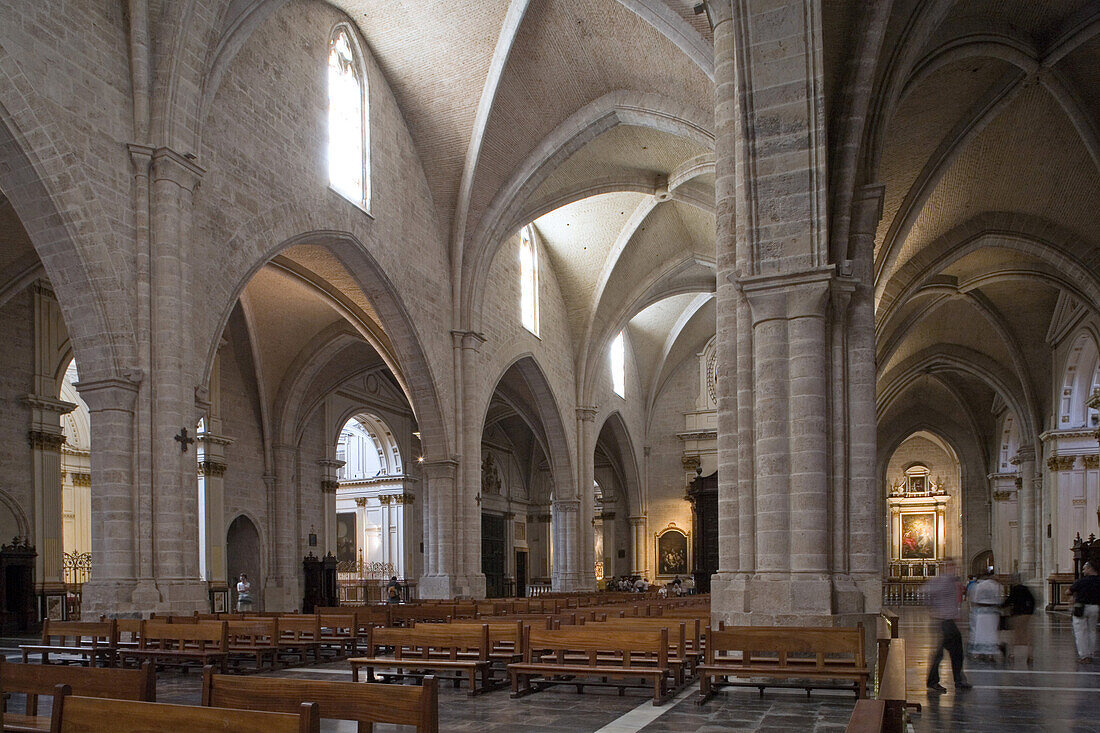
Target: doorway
{"type": "Point", "coordinates": [492, 554]}
{"type": "Point", "coordinates": [242, 555]}
{"type": "Point", "coordinates": [521, 573]}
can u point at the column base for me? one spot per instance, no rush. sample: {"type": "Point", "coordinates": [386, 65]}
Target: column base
{"type": "Point", "coordinates": [282, 594]}
{"type": "Point", "coordinates": [785, 599]}
{"type": "Point", "coordinates": [139, 598]}
{"type": "Point", "coordinates": [451, 586]}
{"type": "Point", "coordinates": [573, 583]}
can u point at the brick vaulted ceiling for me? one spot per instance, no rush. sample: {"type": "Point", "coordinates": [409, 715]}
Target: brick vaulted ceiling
{"type": "Point", "coordinates": [982, 128]}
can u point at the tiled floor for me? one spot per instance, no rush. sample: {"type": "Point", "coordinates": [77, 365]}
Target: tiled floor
{"type": "Point", "coordinates": [1056, 695]}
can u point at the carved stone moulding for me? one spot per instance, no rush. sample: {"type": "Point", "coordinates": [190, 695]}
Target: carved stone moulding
{"type": "Point", "coordinates": [211, 468]}
{"type": "Point", "coordinates": [1061, 463]}
{"type": "Point", "coordinates": [1091, 462]}
{"type": "Point", "coordinates": [329, 486]}
{"type": "Point", "coordinates": [43, 440]}
{"type": "Point", "coordinates": [1003, 495]}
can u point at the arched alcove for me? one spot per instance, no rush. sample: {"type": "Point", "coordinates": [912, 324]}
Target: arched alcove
{"type": "Point", "coordinates": [242, 555]}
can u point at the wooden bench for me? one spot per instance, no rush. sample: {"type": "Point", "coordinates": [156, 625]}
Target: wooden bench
{"type": "Point", "coordinates": [365, 616]}
{"type": "Point", "coordinates": [339, 633]}
{"type": "Point", "coordinates": [505, 639]}
{"type": "Point", "coordinates": [74, 714]}
{"type": "Point", "coordinates": [299, 635]}
{"type": "Point", "coordinates": [550, 657]}
{"type": "Point", "coordinates": [808, 654]}
{"type": "Point", "coordinates": [434, 647]}
{"type": "Point", "coordinates": [255, 640]}
{"type": "Point", "coordinates": [367, 704]}
{"type": "Point", "coordinates": [34, 680]}
{"type": "Point", "coordinates": [182, 645]}
{"type": "Point", "coordinates": [427, 614]}
{"type": "Point", "coordinates": [87, 642]}
{"type": "Point", "coordinates": [680, 659]}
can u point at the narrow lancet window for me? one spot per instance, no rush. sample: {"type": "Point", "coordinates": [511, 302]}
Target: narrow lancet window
{"type": "Point", "coordinates": [347, 160]}
{"type": "Point", "coordinates": [529, 281]}
{"type": "Point", "coordinates": [618, 365]}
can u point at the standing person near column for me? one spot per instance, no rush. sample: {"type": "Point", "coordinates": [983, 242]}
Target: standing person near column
{"type": "Point", "coordinates": [1086, 610]}
{"type": "Point", "coordinates": [244, 594]}
{"type": "Point", "coordinates": [985, 617]}
{"type": "Point", "coordinates": [1021, 605]}
{"type": "Point", "coordinates": [944, 594]}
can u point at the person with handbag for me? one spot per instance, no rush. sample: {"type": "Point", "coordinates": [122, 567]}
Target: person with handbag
{"type": "Point", "coordinates": [1086, 611]}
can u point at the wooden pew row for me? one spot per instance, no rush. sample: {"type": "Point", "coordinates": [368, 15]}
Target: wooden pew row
{"type": "Point", "coordinates": [35, 680]}
{"type": "Point", "coordinates": [86, 642]}
{"type": "Point", "coordinates": [807, 654]}
{"type": "Point", "coordinates": [430, 647]}
{"type": "Point", "coordinates": [365, 704]}
{"type": "Point", "coordinates": [590, 655]}
{"type": "Point", "coordinates": [75, 714]}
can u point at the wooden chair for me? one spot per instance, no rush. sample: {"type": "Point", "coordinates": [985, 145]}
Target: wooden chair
{"type": "Point", "coordinates": [367, 704]}
{"type": "Point", "coordinates": [34, 680]}
{"type": "Point", "coordinates": [89, 642]}
{"type": "Point", "coordinates": [75, 714]}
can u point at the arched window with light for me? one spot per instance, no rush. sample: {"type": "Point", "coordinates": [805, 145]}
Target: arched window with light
{"type": "Point", "coordinates": [529, 280]}
{"type": "Point", "coordinates": [348, 157]}
{"type": "Point", "coordinates": [618, 365]}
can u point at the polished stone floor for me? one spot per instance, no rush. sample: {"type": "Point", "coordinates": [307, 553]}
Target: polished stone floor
{"type": "Point", "coordinates": [1055, 695]}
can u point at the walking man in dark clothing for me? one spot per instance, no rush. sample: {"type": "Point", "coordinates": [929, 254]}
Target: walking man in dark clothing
{"type": "Point", "coordinates": [945, 593]}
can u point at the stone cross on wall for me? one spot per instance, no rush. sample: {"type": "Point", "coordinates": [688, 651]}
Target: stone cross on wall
{"type": "Point", "coordinates": [184, 440]}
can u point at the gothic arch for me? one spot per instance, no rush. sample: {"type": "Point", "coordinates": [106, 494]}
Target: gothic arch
{"type": "Point", "coordinates": [420, 386]}
{"type": "Point", "coordinates": [615, 424]}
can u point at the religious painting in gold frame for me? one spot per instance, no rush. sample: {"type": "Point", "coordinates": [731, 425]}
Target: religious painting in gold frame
{"type": "Point", "coordinates": [672, 552]}
{"type": "Point", "coordinates": [918, 536]}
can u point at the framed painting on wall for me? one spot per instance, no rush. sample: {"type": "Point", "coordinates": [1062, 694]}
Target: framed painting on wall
{"type": "Point", "coordinates": [345, 537]}
{"type": "Point", "coordinates": [672, 552]}
{"type": "Point", "coordinates": [918, 536]}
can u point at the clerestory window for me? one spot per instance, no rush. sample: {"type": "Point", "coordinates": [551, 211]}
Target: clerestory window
{"type": "Point", "coordinates": [529, 281]}
{"type": "Point", "coordinates": [618, 365]}
{"type": "Point", "coordinates": [348, 159]}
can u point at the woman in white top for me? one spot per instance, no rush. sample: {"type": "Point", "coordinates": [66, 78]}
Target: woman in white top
{"type": "Point", "coordinates": [244, 594]}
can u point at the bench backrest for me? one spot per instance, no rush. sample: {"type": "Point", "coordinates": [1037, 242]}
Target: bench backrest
{"type": "Point", "coordinates": [73, 714]}
{"type": "Point", "coordinates": [96, 632]}
{"type": "Point", "coordinates": [786, 640]}
{"type": "Point", "coordinates": [421, 640]}
{"type": "Point", "coordinates": [500, 632]}
{"type": "Point", "coordinates": [206, 635]}
{"type": "Point", "coordinates": [594, 639]}
{"type": "Point", "coordinates": [365, 616]}
{"type": "Point", "coordinates": [365, 703]}
{"type": "Point", "coordinates": [300, 627]}
{"type": "Point", "coordinates": [338, 624]}
{"type": "Point", "coordinates": [432, 613]}
{"type": "Point", "coordinates": [42, 679]}
{"type": "Point", "coordinates": [253, 633]}
{"type": "Point", "coordinates": [677, 628]}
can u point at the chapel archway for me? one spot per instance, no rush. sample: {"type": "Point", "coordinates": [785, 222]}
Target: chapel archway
{"type": "Point", "coordinates": [243, 555]}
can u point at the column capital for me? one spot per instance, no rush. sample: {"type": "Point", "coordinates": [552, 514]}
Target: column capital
{"type": "Point", "coordinates": [442, 468]}
{"type": "Point", "coordinates": [786, 295]}
{"type": "Point", "coordinates": [587, 413]}
{"type": "Point", "coordinates": [638, 521]}
{"type": "Point", "coordinates": [112, 393]}
{"type": "Point", "coordinates": [179, 168]}
{"type": "Point", "coordinates": [566, 505]}
{"type": "Point", "coordinates": [1093, 400]}
{"type": "Point", "coordinates": [48, 404]}
{"type": "Point", "coordinates": [467, 340]}
{"type": "Point", "coordinates": [1024, 454]}
{"type": "Point", "coordinates": [212, 468]}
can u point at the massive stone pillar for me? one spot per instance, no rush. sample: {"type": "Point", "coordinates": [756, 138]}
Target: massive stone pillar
{"type": "Point", "coordinates": [467, 578]}
{"type": "Point", "coordinates": [282, 588]}
{"type": "Point", "coordinates": [564, 520]}
{"type": "Point", "coordinates": [441, 530]}
{"type": "Point", "coordinates": [795, 453]}
{"type": "Point", "coordinates": [1026, 502]}
{"type": "Point", "coordinates": [111, 589]}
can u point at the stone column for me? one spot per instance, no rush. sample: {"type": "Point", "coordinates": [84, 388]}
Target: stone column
{"type": "Point", "coordinates": [586, 479]}
{"type": "Point", "coordinates": [566, 575]}
{"type": "Point", "coordinates": [282, 588]}
{"type": "Point", "coordinates": [1024, 460]}
{"type": "Point", "coordinates": [468, 578]}
{"type": "Point", "coordinates": [114, 552]}
{"type": "Point", "coordinates": [638, 544]}
{"type": "Point", "coordinates": [440, 530]}
{"type": "Point", "coordinates": [790, 489]}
